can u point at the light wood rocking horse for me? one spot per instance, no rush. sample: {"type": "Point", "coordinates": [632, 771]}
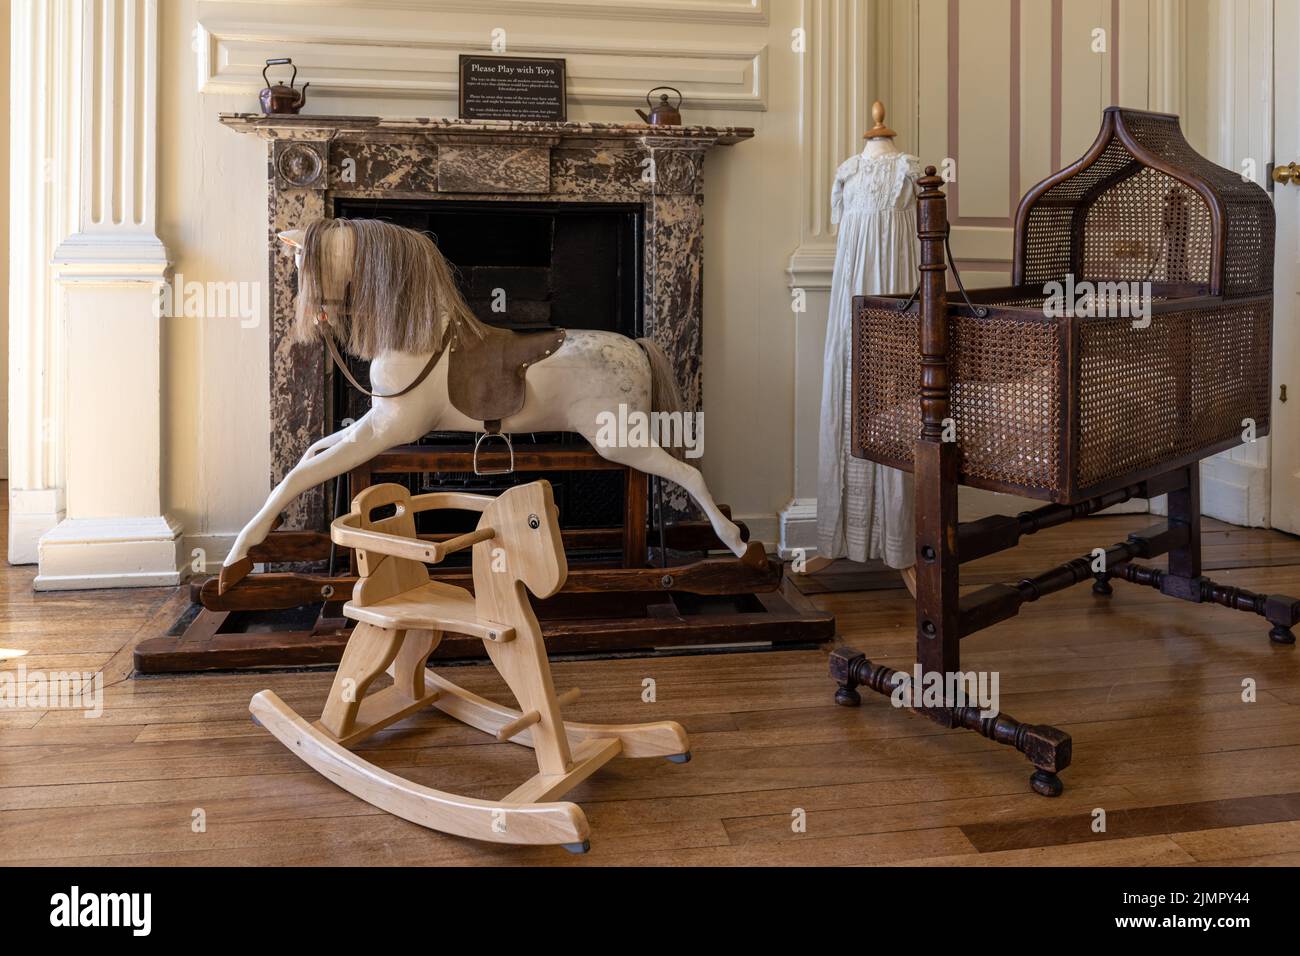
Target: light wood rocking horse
{"type": "Point", "coordinates": [401, 615]}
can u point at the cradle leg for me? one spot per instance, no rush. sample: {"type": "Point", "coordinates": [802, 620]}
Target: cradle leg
{"type": "Point", "coordinates": [1184, 579]}
{"type": "Point", "coordinates": [1185, 510]}
{"type": "Point", "coordinates": [1047, 748]}
{"type": "Point", "coordinates": [844, 673]}
{"type": "Point", "coordinates": [1046, 783]}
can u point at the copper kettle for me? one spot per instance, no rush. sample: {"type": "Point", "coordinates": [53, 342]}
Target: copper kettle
{"type": "Point", "coordinates": [279, 98]}
{"type": "Point", "coordinates": [662, 113]}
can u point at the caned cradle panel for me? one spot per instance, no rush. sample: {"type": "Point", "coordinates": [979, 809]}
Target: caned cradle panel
{"type": "Point", "coordinates": [1163, 393]}
{"type": "Point", "coordinates": [1169, 393]}
{"type": "Point", "coordinates": [1006, 371]}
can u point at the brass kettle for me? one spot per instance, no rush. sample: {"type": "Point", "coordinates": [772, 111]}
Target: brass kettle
{"type": "Point", "coordinates": [278, 98]}
{"type": "Point", "coordinates": [663, 113]}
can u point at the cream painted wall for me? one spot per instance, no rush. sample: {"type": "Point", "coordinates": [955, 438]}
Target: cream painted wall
{"type": "Point", "coordinates": [213, 194]}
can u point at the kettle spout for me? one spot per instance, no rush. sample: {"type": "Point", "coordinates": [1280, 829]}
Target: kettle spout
{"type": "Point", "coordinates": [302, 96]}
{"type": "Point", "coordinates": [644, 118]}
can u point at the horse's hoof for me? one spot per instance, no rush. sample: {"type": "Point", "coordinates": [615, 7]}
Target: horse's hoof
{"type": "Point", "coordinates": [755, 556]}
{"type": "Point", "coordinates": [232, 574]}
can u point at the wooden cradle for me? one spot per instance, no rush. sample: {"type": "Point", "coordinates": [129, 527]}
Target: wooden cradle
{"type": "Point", "coordinates": [1085, 409]}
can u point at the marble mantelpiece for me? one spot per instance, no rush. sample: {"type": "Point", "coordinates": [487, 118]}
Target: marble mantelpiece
{"type": "Point", "coordinates": [314, 160]}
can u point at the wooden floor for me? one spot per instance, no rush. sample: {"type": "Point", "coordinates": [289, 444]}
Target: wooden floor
{"type": "Point", "coordinates": [1150, 688]}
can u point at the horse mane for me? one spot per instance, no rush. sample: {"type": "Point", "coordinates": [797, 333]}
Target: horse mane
{"type": "Point", "coordinates": [402, 296]}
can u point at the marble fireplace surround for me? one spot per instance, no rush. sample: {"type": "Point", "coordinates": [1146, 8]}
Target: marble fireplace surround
{"type": "Point", "coordinates": [315, 159]}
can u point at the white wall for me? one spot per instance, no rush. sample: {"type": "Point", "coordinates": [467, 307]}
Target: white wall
{"type": "Point", "coordinates": [389, 58]}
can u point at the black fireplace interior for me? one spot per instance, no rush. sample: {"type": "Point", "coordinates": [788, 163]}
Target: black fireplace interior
{"type": "Point", "coordinates": [523, 265]}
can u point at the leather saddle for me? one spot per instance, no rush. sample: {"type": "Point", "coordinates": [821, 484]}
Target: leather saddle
{"type": "Point", "coordinates": [485, 378]}
{"type": "Point", "coordinates": [485, 375]}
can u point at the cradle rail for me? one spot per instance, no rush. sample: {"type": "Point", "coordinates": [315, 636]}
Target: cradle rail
{"type": "Point", "coordinates": [1067, 407]}
{"type": "Point", "coordinates": [943, 617]}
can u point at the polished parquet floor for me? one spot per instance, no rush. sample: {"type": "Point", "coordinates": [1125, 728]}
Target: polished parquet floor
{"type": "Point", "coordinates": [1149, 687]}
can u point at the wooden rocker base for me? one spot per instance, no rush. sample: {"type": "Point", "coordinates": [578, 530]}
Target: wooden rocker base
{"type": "Point", "coordinates": [521, 817]}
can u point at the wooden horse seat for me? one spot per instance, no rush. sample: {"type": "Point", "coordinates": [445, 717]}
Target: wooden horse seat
{"type": "Point", "coordinates": [485, 375]}
{"type": "Point", "coordinates": [433, 606]}
{"type": "Point", "coordinates": [401, 616]}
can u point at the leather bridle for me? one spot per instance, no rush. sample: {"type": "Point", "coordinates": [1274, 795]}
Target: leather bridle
{"type": "Point", "coordinates": [344, 305]}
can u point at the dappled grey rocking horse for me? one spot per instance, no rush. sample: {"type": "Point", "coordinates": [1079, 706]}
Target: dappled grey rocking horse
{"type": "Point", "coordinates": [388, 295]}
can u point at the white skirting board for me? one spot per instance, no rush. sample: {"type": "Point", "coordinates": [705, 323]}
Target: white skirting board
{"type": "Point", "coordinates": [111, 553]}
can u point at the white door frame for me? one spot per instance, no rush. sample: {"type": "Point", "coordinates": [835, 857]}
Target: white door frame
{"type": "Point", "coordinates": [1285, 432]}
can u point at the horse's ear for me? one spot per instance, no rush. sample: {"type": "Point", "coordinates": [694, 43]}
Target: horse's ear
{"type": "Point", "coordinates": [293, 238]}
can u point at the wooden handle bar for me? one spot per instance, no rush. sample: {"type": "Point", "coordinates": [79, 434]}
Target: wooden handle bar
{"type": "Point", "coordinates": [344, 531]}
{"type": "Point", "coordinates": [527, 720]}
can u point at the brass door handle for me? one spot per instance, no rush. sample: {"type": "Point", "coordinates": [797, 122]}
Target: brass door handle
{"type": "Point", "coordinates": [1290, 173]}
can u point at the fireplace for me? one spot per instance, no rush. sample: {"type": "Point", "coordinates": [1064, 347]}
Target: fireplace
{"type": "Point", "coordinates": [558, 197]}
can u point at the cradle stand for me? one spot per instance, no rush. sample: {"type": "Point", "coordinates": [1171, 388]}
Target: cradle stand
{"type": "Point", "coordinates": [944, 618]}
{"type": "Point", "coordinates": [401, 616]}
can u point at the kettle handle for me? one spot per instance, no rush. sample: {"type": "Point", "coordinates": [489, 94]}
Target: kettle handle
{"type": "Point", "coordinates": [282, 60]}
{"type": "Point", "coordinates": [658, 88]}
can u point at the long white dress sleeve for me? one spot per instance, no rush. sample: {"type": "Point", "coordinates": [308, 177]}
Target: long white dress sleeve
{"type": "Point", "coordinates": [864, 510]}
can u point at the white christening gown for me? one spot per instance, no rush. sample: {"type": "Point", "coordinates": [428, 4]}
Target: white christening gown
{"type": "Point", "coordinates": [864, 510]}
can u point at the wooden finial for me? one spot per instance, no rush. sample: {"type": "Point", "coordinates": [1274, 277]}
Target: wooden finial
{"type": "Point", "coordinates": [880, 130]}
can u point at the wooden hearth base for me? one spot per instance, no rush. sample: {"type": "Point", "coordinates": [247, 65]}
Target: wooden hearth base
{"type": "Point", "coordinates": [292, 618]}
{"type": "Point", "coordinates": [571, 624]}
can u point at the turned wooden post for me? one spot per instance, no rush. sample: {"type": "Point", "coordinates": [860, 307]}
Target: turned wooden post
{"type": "Point", "coordinates": [937, 630]}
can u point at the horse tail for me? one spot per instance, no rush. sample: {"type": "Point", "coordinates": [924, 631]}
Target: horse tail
{"type": "Point", "coordinates": [665, 395]}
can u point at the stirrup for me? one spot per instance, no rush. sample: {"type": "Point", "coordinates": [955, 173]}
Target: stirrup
{"type": "Point", "coordinates": [511, 448]}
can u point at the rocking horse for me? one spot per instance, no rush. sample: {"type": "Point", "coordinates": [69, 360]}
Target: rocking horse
{"type": "Point", "coordinates": [388, 294]}
{"type": "Point", "coordinates": [401, 615]}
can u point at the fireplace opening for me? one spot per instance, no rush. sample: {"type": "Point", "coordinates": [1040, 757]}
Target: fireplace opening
{"type": "Point", "coordinates": [528, 266]}
{"type": "Point", "coordinates": [532, 265]}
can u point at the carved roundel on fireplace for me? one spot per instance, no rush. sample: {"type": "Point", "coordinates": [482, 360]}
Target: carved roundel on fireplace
{"type": "Point", "coordinates": [300, 165]}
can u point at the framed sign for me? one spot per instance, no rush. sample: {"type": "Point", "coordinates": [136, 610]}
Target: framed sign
{"type": "Point", "coordinates": [512, 88]}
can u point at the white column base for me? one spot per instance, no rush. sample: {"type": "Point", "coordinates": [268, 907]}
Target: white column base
{"type": "Point", "coordinates": [798, 528]}
{"type": "Point", "coordinates": [32, 513]}
{"type": "Point", "coordinates": [111, 553]}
